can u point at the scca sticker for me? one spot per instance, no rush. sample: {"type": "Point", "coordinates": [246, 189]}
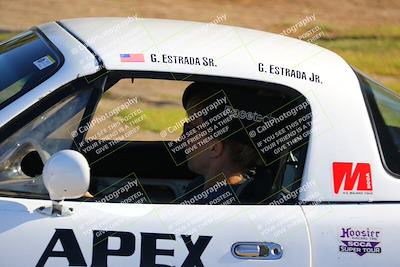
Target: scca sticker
{"type": "Point", "coordinates": [101, 251]}
{"type": "Point", "coordinates": [360, 240]}
{"type": "Point", "coordinates": [350, 178]}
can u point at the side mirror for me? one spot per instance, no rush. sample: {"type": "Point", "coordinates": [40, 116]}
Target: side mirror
{"type": "Point", "coordinates": [66, 175]}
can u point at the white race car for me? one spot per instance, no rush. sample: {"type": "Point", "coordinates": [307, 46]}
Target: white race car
{"type": "Point", "coordinates": [93, 159]}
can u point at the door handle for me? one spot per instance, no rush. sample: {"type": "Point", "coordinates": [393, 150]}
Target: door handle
{"type": "Point", "coordinates": [257, 250]}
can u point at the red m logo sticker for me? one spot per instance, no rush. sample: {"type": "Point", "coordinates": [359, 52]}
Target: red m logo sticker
{"type": "Point", "coordinates": [343, 171]}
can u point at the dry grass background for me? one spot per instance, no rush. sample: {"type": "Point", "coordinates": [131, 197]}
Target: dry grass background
{"type": "Point", "coordinates": [265, 15]}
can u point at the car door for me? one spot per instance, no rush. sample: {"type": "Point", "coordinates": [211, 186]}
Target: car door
{"type": "Point", "coordinates": [102, 231]}
{"type": "Point", "coordinates": [148, 235]}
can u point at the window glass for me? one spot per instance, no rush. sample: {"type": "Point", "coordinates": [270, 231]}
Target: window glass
{"type": "Point", "coordinates": [25, 61]}
{"type": "Point", "coordinates": [181, 142]}
{"type": "Point", "coordinates": [23, 153]}
{"type": "Point", "coordinates": [151, 105]}
{"type": "Point", "coordinates": [385, 110]}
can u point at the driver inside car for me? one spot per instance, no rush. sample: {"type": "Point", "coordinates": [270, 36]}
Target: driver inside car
{"type": "Point", "coordinates": [225, 158]}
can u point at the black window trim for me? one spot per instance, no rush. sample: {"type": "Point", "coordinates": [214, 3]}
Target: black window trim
{"type": "Point", "coordinates": [59, 61]}
{"type": "Point", "coordinates": [377, 122]}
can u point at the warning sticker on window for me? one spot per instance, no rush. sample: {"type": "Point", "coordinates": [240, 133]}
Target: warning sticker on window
{"type": "Point", "coordinates": [44, 62]}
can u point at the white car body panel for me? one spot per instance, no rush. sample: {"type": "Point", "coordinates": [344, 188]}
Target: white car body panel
{"type": "Point", "coordinates": [342, 132]}
{"type": "Point", "coordinates": [326, 222]}
{"type": "Point", "coordinates": [230, 224]}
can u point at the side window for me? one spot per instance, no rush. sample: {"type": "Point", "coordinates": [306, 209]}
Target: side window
{"type": "Point", "coordinates": [23, 153]}
{"type": "Point", "coordinates": [150, 105]}
{"type": "Point", "coordinates": [190, 142]}
{"type": "Point", "coordinates": [385, 114]}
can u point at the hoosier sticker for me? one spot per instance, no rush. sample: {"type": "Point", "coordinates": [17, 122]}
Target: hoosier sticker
{"type": "Point", "coordinates": [360, 240]}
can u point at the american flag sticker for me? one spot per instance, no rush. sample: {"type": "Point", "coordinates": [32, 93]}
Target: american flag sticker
{"type": "Point", "coordinates": [131, 57]}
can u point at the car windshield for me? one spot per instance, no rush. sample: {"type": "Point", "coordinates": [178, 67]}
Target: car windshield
{"type": "Point", "coordinates": [25, 61]}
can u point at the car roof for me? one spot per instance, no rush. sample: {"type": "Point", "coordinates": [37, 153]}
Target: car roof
{"type": "Point", "coordinates": [233, 49]}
